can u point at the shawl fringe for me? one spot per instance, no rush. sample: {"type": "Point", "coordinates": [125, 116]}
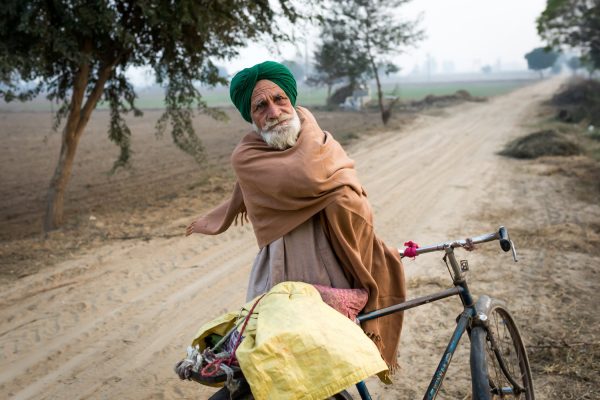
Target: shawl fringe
{"type": "Point", "coordinates": [242, 216]}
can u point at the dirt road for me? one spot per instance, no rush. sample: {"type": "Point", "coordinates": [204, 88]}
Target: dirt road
{"type": "Point", "coordinates": [112, 323]}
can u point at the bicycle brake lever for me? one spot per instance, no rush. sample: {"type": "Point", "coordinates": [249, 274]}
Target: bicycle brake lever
{"type": "Point", "coordinates": [514, 251]}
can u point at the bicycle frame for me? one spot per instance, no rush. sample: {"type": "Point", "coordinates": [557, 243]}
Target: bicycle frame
{"type": "Point", "coordinates": [460, 289]}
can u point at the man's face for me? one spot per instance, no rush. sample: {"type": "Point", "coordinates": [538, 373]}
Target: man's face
{"type": "Point", "coordinates": [273, 115]}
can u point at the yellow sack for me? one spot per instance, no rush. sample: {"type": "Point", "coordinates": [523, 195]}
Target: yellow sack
{"type": "Point", "coordinates": [297, 347]}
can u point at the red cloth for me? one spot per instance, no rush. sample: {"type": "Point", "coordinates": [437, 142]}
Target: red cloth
{"type": "Point", "coordinates": [349, 302]}
{"type": "Point", "coordinates": [411, 249]}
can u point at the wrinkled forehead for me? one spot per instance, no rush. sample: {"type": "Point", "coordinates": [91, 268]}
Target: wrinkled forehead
{"type": "Point", "coordinates": [265, 89]}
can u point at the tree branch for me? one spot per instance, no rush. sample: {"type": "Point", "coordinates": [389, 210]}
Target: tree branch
{"type": "Point", "coordinates": [93, 98]}
{"type": "Point", "coordinates": [79, 85]}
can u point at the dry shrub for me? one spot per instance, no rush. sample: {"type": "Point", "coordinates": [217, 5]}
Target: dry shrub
{"type": "Point", "coordinates": [539, 144]}
{"type": "Point", "coordinates": [459, 96]}
{"type": "Point", "coordinates": [579, 100]}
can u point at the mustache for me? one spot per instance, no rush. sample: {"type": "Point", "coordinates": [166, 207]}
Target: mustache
{"type": "Point", "coordinates": [271, 123]}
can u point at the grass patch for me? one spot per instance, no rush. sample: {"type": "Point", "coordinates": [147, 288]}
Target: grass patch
{"type": "Point", "coordinates": [539, 144]}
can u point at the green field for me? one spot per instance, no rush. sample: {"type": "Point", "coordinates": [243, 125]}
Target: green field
{"type": "Point", "coordinates": [407, 91]}
{"type": "Point", "coordinates": [153, 98]}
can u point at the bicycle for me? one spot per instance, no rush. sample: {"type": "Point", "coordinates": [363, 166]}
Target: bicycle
{"type": "Point", "coordinates": [499, 364]}
{"type": "Point", "coordinates": [498, 359]}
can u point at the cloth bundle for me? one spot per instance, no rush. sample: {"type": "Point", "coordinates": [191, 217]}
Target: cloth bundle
{"type": "Point", "coordinates": [297, 347]}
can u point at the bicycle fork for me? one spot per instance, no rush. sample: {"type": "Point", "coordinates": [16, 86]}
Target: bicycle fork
{"type": "Point", "coordinates": [440, 372]}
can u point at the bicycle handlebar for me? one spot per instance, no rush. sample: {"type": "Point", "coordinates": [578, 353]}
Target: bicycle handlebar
{"type": "Point", "coordinates": [502, 235]}
{"type": "Point", "coordinates": [505, 243]}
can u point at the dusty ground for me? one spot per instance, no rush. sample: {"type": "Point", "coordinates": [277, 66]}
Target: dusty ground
{"type": "Point", "coordinates": [104, 307]}
{"type": "Point", "coordinates": [163, 183]}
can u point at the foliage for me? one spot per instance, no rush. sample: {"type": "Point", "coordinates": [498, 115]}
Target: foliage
{"type": "Point", "coordinates": [336, 60]}
{"type": "Point", "coordinates": [360, 37]}
{"type": "Point", "coordinates": [574, 24]}
{"type": "Point", "coordinates": [540, 59]}
{"type": "Point", "coordinates": [579, 100]}
{"type": "Point", "coordinates": [296, 69]}
{"type": "Point", "coordinates": [574, 63]}
{"type": "Point", "coordinates": [78, 52]}
{"type": "Point", "coordinates": [50, 44]}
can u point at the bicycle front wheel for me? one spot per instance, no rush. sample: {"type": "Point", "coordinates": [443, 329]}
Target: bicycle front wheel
{"type": "Point", "coordinates": [499, 364]}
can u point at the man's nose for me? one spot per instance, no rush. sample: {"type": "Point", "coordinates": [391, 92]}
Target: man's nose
{"type": "Point", "coordinates": [273, 111]}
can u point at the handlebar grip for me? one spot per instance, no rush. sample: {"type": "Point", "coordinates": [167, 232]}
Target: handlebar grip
{"type": "Point", "coordinates": [504, 239]}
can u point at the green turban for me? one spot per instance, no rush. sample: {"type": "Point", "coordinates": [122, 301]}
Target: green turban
{"type": "Point", "coordinates": [243, 84]}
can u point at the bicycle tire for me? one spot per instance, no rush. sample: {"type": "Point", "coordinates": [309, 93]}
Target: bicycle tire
{"type": "Point", "coordinates": [504, 373]}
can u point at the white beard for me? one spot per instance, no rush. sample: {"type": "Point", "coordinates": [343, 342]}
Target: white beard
{"type": "Point", "coordinates": [282, 136]}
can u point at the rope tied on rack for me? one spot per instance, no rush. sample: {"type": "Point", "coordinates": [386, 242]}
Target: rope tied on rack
{"type": "Point", "coordinates": [224, 360]}
{"type": "Point", "coordinates": [411, 249]}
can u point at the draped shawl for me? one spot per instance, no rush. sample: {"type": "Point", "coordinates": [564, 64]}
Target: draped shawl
{"type": "Point", "coordinates": [279, 190]}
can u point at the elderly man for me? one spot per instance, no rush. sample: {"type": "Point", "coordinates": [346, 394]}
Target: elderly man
{"type": "Point", "coordinates": [309, 212]}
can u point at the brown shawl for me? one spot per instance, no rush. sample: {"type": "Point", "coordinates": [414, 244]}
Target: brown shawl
{"type": "Point", "coordinates": [279, 190]}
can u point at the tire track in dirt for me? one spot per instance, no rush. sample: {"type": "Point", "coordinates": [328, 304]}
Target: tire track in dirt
{"type": "Point", "coordinates": [155, 295]}
{"type": "Point", "coordinates": [113, 324]}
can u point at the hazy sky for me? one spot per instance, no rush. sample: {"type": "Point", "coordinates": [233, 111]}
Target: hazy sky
{"type": "Point", "coordinates": [463, 35]}
{"type": "Point", "coordinates": [470, 33]}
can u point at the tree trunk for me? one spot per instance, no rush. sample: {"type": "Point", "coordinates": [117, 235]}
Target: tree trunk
{"type": "Point", "coordinates": [76, 123]}
{"type": "Point", "coordinates": [385, 114]}
{"type": "Point", "coordinates": [56, 192]}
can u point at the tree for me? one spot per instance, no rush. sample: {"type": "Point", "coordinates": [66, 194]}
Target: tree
{"type": "Point", "coordinates": [574, 63]}
{"type": "Point", "coordinates": [77, 52]}
{"type": "Point", "coordinates": [337, 61]}
{"type": "Point", "coordinates": [574, 24]}
{"type": "Point", "coordinates": [540, 59]}
{"type": "Point", "coordinates": [327, 71]}
{"type": "Point", "coordinates": [296, 69]}
{"type": "Point", "coordinates": [370, 31]}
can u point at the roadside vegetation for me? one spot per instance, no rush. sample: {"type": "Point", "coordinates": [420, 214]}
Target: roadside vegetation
{"type": "Point", "coordinates": [571, 126]}
{"type": "Point", "coordinates": [566, 149]}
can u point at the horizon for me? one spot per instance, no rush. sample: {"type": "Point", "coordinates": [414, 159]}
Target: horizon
{"type": "Point", "coordinates": [448, 48]}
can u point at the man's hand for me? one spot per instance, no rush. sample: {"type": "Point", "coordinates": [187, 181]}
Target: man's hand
{"type": "Point", "coordinates": [190, 229]}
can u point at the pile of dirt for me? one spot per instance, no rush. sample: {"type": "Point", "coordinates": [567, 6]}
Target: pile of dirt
{"type": "Point", "coordinates": [578, 101]}
{"type": "Point", "coordinates": [443, 101]}
{"type": "Point", "coordinates": [539, 144]}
